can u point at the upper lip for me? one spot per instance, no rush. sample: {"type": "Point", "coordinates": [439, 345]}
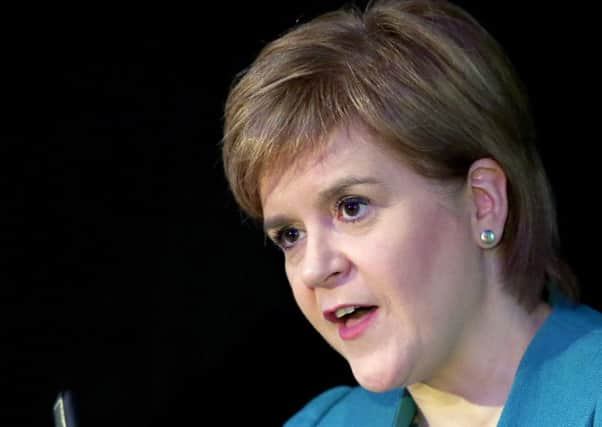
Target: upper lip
{"type": "Point", "coordinates": [330, 314]}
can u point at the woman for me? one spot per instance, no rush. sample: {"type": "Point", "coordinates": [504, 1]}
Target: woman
{"type": "Point", "coordinates": [391, 155]}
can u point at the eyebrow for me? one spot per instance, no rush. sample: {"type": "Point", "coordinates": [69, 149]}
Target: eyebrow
{"type": "Point", "coordinates": [337, 189]}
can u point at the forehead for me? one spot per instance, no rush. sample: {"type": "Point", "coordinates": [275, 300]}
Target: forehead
{"type": "Point", "coordinates": [350, 150]}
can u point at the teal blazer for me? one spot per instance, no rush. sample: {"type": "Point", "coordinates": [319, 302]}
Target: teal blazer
{"type": "Point", "coordinates": [558, 383]}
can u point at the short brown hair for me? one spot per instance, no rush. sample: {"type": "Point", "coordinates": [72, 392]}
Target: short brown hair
{"type": "Point", "coordinates": [431, 83]}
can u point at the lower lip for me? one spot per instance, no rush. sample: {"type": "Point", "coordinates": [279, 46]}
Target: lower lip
{"type": "Point", "coordinates": [357, 329]}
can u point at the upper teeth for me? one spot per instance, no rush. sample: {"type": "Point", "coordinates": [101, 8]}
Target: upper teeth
{"type": "Point", "coordinates": [344, 311]}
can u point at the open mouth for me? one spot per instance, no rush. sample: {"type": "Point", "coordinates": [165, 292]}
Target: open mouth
{"type": "Point", "coordinates": [352, 320]}
{"type": "Point", "coordinates": [349, 314]}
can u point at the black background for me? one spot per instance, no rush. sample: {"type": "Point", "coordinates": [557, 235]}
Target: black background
{"type": "Point", "coordinates": [132, 279]}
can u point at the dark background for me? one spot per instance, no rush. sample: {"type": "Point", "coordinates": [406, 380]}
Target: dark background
{"type": "Point", "coordinates": [131, 277]}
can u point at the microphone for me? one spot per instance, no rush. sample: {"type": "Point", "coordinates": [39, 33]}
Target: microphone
{"type": "Point", "coordinates": [64, 410]}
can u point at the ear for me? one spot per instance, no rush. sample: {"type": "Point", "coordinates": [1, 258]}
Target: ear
{"type": "Point", "coordinates": [487, 183]}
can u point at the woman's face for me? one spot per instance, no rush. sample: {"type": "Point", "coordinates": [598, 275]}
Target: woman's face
{"type": "Point", "coordinates": [381, 261]}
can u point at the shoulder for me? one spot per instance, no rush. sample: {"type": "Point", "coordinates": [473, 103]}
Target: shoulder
{"type": "Point", "coordinates": [348, 406]}
{"type": "Point", "coordinates": [319, 406]}
{"type": "Point", "coordinates": [560, 376]}
{"type": "Point", "coordinates": [580, 360]}
{"type": "Point", "coordinates": [568, 348]}
{"type": "Point", "coordinates": [574, 335]}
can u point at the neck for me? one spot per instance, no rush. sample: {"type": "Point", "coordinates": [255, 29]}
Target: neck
{"type": "Point", "coordinates": [440, 408]}
{"type": "Point", "coordinates": [474, 384]}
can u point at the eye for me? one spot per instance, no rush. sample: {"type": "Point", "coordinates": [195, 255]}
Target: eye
{"type": "Point", "coordinates": [287, 237]}
{"type": "Point", "coordinates": [352, 209]}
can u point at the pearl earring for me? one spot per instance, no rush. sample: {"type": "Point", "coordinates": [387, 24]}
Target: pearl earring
{"type": "Point", "coordinates": [488, 237]}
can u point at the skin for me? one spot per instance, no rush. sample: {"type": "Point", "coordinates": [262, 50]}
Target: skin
{"type": "Point", "coordinates": [358, 226]}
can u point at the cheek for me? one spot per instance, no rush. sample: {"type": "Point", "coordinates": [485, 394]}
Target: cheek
{"type": "Point", "coordinates": [402, 247]}
{"type": "Point", "coordinates": [434, 274]}
{"type": "Point", "coordinates": [415, 254]}
{"type": "Point", "coordinates": [304, 296]}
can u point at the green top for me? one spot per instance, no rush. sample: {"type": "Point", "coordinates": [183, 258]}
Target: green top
{"type": "Point", "coordinates": [558, 383]}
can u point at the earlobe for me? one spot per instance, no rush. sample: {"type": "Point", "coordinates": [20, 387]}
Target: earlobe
{"type": "Point", "coordinates": [487, 183]}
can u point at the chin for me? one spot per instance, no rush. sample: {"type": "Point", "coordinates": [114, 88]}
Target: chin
{"type": "Point", "coordinates": [382, 368]}
{"type": "Point", "coordinates": [377, 379]}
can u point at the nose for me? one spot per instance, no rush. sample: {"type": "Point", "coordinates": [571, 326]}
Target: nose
{"type": "Point", "coordinates": [324, 263]}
